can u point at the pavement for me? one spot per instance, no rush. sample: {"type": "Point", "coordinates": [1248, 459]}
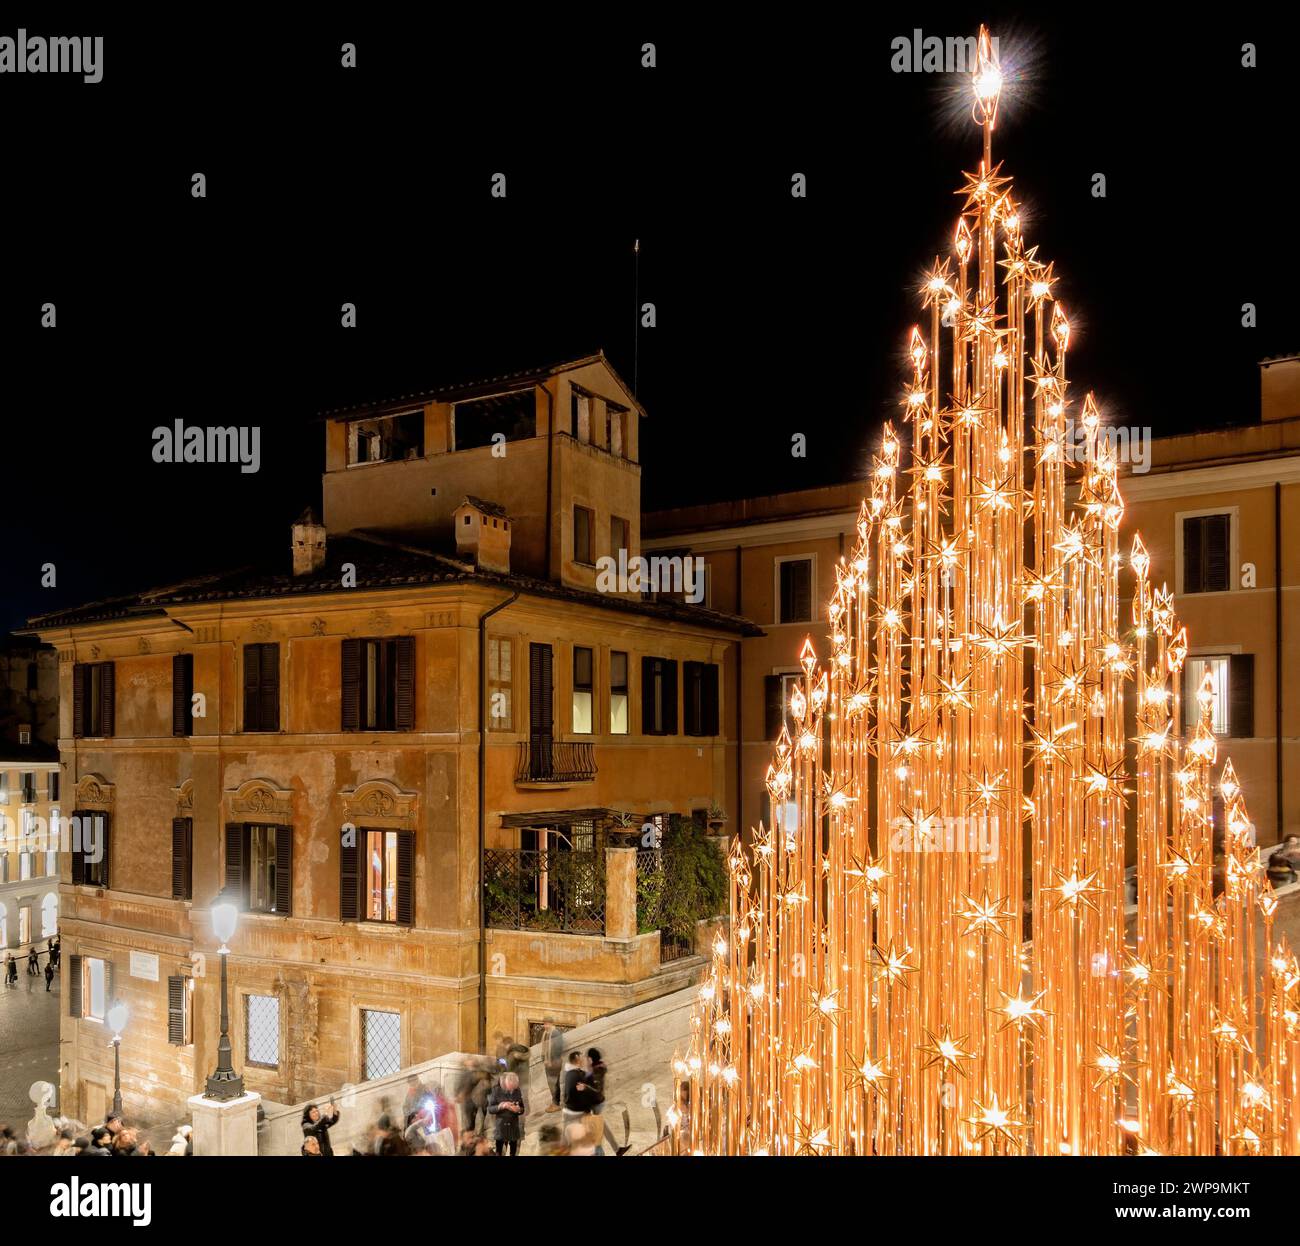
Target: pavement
{"type": "Point", "coordinates": [29, 1039]}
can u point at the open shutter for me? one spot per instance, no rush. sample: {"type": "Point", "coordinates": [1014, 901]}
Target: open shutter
{"type": "Point", "coordinates": [350, 879]}
{"type": "Point", "coordinates": [268, 695]}
{"type": "Point", "coordinates": [709, 700]}
{"type": "Point", "coordinates": [182, 694]}
{"type": "Point", "coordinates": [235, 882]}
{"type": "Point", "coordinates": [80, 676]}
{"type": "Point", "coordinates": [1241, 694]}
{"type": "Point", "coordinates": [110, 982]}
{"type": "Point", "coordinates": [252, 687]}
{"type": "Point", "coordinates": [405, 878]}
{"type": "Point", "coordinates": [106, 848]}
{"type": "Point", "coordinates": [176, 1010]}
{"type": "Point", "coordinates": [74, 986]}
{"type": "Point", "coordinates": [773, 710]}
{"type": "Point", "coordinates": [106, 699]}
{"type": "Point", "coordinates": [78, 854]}
{"type": "Point", "coordinates": [404, 718]}
{"type": "Point", "coordinates": [670, 696]}
{"type": "Point", "coordinates": [647, 696]}
{"type": "Point", "coordinates": [351, 679]}
{"type": "Point", "coordinates": [284, 870]}
{"type": "Point", "coordinates": [181, 830]}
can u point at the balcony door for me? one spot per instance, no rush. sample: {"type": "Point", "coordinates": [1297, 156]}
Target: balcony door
{"type": "Point", "coordinates": [541, 709]}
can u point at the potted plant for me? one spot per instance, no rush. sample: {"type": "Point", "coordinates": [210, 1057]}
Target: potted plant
{"type": "Point", "coordinates": [717, 819]}
{"type": "Point", "coordinates": [623, 830]}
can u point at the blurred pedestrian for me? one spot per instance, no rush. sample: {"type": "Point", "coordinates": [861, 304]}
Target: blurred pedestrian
{"type": "Point", "coordinates": [182, 1141]}
{"type": "Point", "coordinates": [553, 1063]}
{"type": "Point", "coordinates": [317, 1124]}
{"type": "Point", "coordinates": [11, 970]}
{"type": "Point", "coordinates": [49, 974]}
{"type": "Point", "coordinates": [506, 1105]}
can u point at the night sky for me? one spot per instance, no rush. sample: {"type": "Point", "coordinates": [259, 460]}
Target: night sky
{"type": "Point", "coordinates": [775, 315]}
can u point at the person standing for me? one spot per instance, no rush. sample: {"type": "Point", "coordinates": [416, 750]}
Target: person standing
{"type": "Point", "coordinates": [579, 1096]}
{"type": "Point", "coordinates": [317, 1124]}
{"type": "Point", "coordinates": [11, 970]}
{"type": "Point", "coordinates": [49, 974]}
{"type": "Point", "coordinates": [553, 1063]}
{"type": "Point", "coordinates": [33, 962]}
{"type": "Point", "coordinates": [506, 1106]}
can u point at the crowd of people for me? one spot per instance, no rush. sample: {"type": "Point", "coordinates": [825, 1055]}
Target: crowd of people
{"type": "Point", "coordinates": [487, 1112]}
{"type": "Point", "coordinates": [113, 1138]}
{"type": "Point", "coordinates": [33, 965]}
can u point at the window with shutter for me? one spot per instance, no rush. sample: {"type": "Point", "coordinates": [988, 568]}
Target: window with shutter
{"type": "Point", "coordinates": [404, 714]}
{"type": "Point", "coordinates": [92, 699]}
{"type": "Point", "coordinates": [106, 699]}
{"type": "Point", "coordinates": [1241, 694]}
{"type": "Point", "coordinates": [405, 878]}
{"type": "Point", "coordinates": [284, 870]}
{"type": "Point", "coordinates": [235, 881]}
{"type": "Point", "coordinates": [80, 681]}
{"type": "Point", "coordinates": [658, 696]}
{"type": "Point", "coordinates": [177, 991]}
{"type": "Point", "coordinates": [182, 851]}
{"type": "Point", "coordinates": [541, 709]}
{"type": "Point", "coordinates": [693, 698]}
{"type": "Point", "coordinates": [378, 678]}
{"type": "Point", "coordinates": [350, 879]}
{"type": "Point", "coordinates": [1206, 553]}
{"type": "Point", "coordinates": [182, 694]}
{"type": "Point", "coordinates": [95, 853]}
{"type": "Point", "coordinates": [262, 687]}
{"type": "Point", "coordinates": [794, 585]}
{"type": "Point", "coordinates": [74, 986]}
{"type": "Point", "coordinates": [351, 684]}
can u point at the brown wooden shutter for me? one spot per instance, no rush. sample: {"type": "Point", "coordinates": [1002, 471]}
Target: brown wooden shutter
{"type": "Point", "coordinates": [773, 710]}
{"type": "Point", "coordinates": [106, 699]}
{"type": "Point", "coordinates": [182, 694]}
{"type": "Point", "coordinates": [1192, 555]}
{"type": "Point", "coordinates": [670, 696]}
{"type": "Point", "coordinates": [284, 870]}
{"type": "Point", "coordinates": [405, 878]}
{"type": "Point", "coordinates": [252, 687]}
{"type": "Point", "coordinates": [236, 883]}
{"type": "Point", "coordinates": [80, 677]}
{"type": "Point", "coordinates": [74, 986]}
{"type": "Point", "coordinates": [709, 700]}
{"type": "Point", "coordinates": [648, 696]}
{"type": "Point", "coordinates": [350, 879]}
{"type": "Point", "coordinates": [110, 983]}
{"type": "Point", "coordinates": [105, 848]}
{"type": "Point", "coordinates": [268, 698]}
{"type": "Point", "coordinates": [1218, 534]}
{"type": "Point", "coordinates": [404, 718]}
{"type": "Point", "coordinates": [176, 1010]}
{"type": "Point", "coordinates": [1241, 694]}
{"type": "Point", "coordinates": [692, 694]}
{"type": "Point", "coordinates": [351, 679]}
{"type": "Point", "coordinates": [181, 855]}
{"type": "Point", "coordinates": [79, 852]}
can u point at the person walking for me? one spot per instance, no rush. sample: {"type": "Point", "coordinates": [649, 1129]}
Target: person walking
{"type": "Point", "coordinates": [596, 1071]}
{"type": "Point", "coordinates": [506, 1106]}
{"type": "Point", "coordinates": [33, 962]}
{"type": "Point", "coordinates": [56, 950]}
{"type": "Point", "coordinates": [11, 970]}
{"type": "Point", "coordinates": [317, 1124]}
{"type": "Point", "coordinates": [517, 1057]}
{"type": "Point", "coordinates": [49, 974]}
{"type": "Point", "coordinates": [553, 1063]}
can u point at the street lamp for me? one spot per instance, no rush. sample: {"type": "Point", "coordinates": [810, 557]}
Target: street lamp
{"type": "Point", "coordinates": [225, 1083]}
{"type": "Point", "coordinates": [117, 1016]}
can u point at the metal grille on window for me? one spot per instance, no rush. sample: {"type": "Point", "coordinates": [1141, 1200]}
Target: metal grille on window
{"type": "Point", "coordinates": [262, 1029]}
{"type": "Point", "coordinates": [382, 1036]}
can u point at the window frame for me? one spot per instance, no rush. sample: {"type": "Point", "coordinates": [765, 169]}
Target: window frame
{"type": "Point", "coordinates": [249, 996]}
{"type": "Point", "coordinates": [1233, 514]}
{"type": "Point", "coordinates": [777, 564]}
{"type": "Point", "coordinates": [497, 645]}
{"type": "Point", "coordinates": [587, 689]}
{"type": "Point", "coordinates": [590, 551]}
{"type": "Point", "coordinates": [623, 690]}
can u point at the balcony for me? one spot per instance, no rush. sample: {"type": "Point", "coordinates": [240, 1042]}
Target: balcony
{"type": "Point", "coordinates": [555, 763]}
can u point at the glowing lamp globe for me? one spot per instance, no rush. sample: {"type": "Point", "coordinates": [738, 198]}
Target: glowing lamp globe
{"type": "Point", "coordinates": [117, 1016]}
{"type": "Point", "coordinates": [225, 916]}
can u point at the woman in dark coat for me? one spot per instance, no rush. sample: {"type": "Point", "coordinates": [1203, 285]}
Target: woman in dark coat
{"type": "Point", "coordinates": [316, 1123]}
{"type": "Point", "coordinates": [506, 1107]}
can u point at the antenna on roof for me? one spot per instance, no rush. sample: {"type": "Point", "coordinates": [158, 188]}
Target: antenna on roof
{"type": "Point", "coordinates": [636, 299]}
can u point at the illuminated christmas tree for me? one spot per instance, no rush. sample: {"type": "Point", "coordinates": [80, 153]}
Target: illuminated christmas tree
{"type": "Point", "coordinates": [929, 951]}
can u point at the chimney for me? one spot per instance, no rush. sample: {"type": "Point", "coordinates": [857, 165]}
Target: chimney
{"type": "Point", "coordinates": [1279, 387]}
{"type": "Point", "coordinates": [483, 534]}
{"type": "Point", "coordinates": [307, 538]}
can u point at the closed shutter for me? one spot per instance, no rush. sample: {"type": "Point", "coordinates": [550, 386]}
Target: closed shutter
{"type": "Point", "coordinates": [74, 986]}
{"type": "Point", "coordinates": [692, 694]}
{"type": "Point", "coordinates": [648, 696]}
{"type": "Point", "coordinates": [350, 879]}
{"type": "Point", "coordinates": [269, 698]}
{"type": "Point", "coordinates": [709, 700]}
{"type": "Point", "coordinates": [176, 1011]}
{"type": "Point", "coordinates": [80, 677]}
{"type": "Point", "coordinates": [1241, 694]}
{"type": "Point", "coordinates": [405, 878]}
{"type": "Point", "coordinates": [670, 696]}
{"type": "Point", "coordinates": [541, 708]}
{"type": "Point", "coordinates": [284, 870]}
{"type": "Point", "coordinates": [404, 717]}
{"type": "Point", "coordinates": [1217, 534]}
{"type": "Point", "coordinates": [235, 881]}
{"type": "Point", "coordinates": [182, 694]}
{"type": "Point", "coordinates": [181, 852]}
{"type": "Point", "coordinates": [773, 710]}
{"type": "Point", "coordinates": [351, 680]}
{"type": "Point", "coordinates": [252, 687]}
{"type": "Point", "coordinates": [106, 699]}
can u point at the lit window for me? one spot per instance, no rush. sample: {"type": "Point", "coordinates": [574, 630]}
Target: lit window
{"type": "Point", "coordinates": [1219, 669]}
{"type": "Point", "coordinates": [94, 988]}
{"type": "Point", "coordinates": [381, 876]}
{"type": "Point", "coordinates": [582, 691]}
{"type": "Point", "coordinates": [618, 693]}
{"type": "Point", "coordinates": [261, 868]}
{"type": "Point", "coordinates": [386, 439]}
{"type": "Point", "coordinates": [500, 681]}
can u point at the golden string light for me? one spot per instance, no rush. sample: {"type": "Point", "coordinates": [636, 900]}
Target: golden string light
{"type": "Point", "coordinates": [928, 955]}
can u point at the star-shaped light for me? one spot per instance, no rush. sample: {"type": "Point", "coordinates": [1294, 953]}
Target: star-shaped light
{"type": "Point", "coordinates": [992, 1120]}
{"type": "Point", "coordinates": [945, 1051]}
{"type": "Point", "coordinates": [986, 915]}
{"type": "Point", "coordinates": [1075, 890]}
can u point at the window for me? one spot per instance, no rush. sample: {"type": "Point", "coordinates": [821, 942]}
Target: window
{"type": "Point", "coordinates": [700, 693]}
{"type": "Point", "coordinates": [92, 699]}
{"type": "Point", "coordinates": [794, 590]}
{"type": "Point", "coordinates": [512, 416]}
{"type": "Point", "coordinates": [580, 413]}
{"type": "Point", "coordinates": [178, 1010]}
{"type": "Point", "coordinates": [1206, 553]}
{"type": "Point", "coordinates": [777, 690]}
{"type": "Point", "coordinates": [24, 871]}
{"type": "Point", "coordinates": [54, 785]}
{"type": "Point", "coordinates": [51, 864]}
{"type": "Point", "coordinates": [500, 683]}
{"type": "Point", "coordinates": [617, 430]}
{"type": "Point", "coordinates": [262, 687]}
{"type": "Point", "coordinates": [376, 878]}
{"type": "Point", "coordinates": [49, 916]}
{"type": "Point", "coordinates": [379, 684]}
{"type": "Point", "coordinates": [91, 848]}
{"type": "Point", "coordinates": [582, 691]}
{"type": "Point", "coordinates": [584, 522]}
{"type": "Point", "coordinates": [94, 988]}
{"type": "Point", "coordinates": [618, 697]}
{"type": "Point", "coordinates": [24, 735]}
{"type": "Point", "coordinates": [182, 858]}
{"type": "Point", "coordinates": [182, 694]}
{"type": "Point", "coordinates": [262, 1030]}
{"type": "Point", "coordinates": [387, 438]}
{"type": "Point", "coordinates": [658, 696]}
{"type": "Point", "coordinates": [28, 780]}
{"type": "Point", "coordinates": [381, 1035]}
{"type": "Point", "coordinates": [25, 923]}
{"type": "Point", "coordinates": [619, 536]}
{"type": "Point", "coordinates": [259, 866]}
{"type": "Point", "coordinates": [1232, 710]}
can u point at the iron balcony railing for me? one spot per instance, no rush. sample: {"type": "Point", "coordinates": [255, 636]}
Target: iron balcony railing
{"type": "Point", "coordinates": [555, 761]}
{"type": "Point", "coordinates": [545, 890]}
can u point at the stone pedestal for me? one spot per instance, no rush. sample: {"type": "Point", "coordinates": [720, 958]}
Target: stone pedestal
{"type": "Point", "coordinates": [228, 1128]}
{"type": "Point", "coordinates": [620, 893]}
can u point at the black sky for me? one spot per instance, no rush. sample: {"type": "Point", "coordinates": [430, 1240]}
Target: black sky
{"type": "Point", "coordinates": [775, 315]}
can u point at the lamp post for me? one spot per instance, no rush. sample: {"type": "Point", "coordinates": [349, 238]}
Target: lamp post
{"type": "Point", "coordinates": [117, 1016]}
{"type": "Point", "coordinates": [225, 1083]}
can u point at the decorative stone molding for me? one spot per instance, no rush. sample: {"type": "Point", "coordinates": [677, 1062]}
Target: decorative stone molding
{"type": "Point", "coordinates": [379, 803]}
{"type": "Point", "coordinates": [318, 627]}
{"type": "Point", "coordinates": [184, 798]}
{"type": "Point", "coordinates": [94, 792]}
{"type": "Point", "coordinates": [261, 629]}
{"type": "Point", "coordinates": [260, 798]}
